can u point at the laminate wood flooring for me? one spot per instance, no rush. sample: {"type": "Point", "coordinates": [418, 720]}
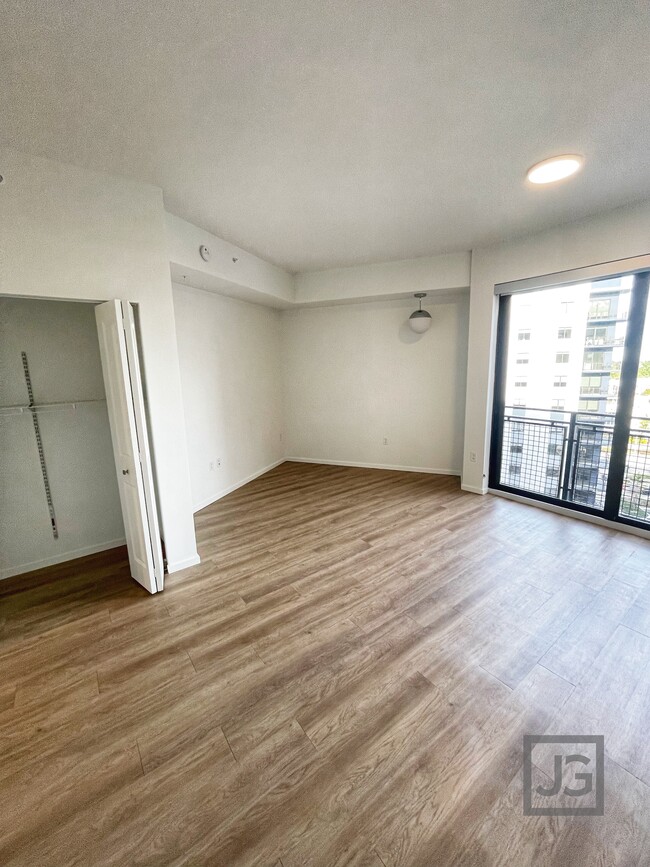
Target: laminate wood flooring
{"type": "Point", "coordinates": [346, 679]}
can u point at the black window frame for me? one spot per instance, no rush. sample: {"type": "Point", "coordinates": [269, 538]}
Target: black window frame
{"type": "Point", "coordinates": [625, 407]}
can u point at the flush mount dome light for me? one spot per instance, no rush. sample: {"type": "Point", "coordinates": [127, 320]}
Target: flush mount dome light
{"type": "Point", "coordinates": [420, 320]}
{"type": "Point", "coordinates": [555, 169]}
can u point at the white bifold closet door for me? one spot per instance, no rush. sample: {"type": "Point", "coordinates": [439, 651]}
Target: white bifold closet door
{"type": "Point", "coordinates": [126, 413]}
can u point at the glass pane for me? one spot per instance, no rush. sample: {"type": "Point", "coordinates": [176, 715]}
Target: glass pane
{"type": "Point", "coordinates": [635, 499]}
{"type": "Point", "coordinates": [564, 356]}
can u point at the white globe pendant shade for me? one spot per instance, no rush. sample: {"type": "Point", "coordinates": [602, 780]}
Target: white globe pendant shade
{"type": "Point", "coordinates": [420, 320]}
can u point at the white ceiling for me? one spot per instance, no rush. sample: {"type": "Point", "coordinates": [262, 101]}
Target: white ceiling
{"type": "Point", "coordinates": [319, 133]}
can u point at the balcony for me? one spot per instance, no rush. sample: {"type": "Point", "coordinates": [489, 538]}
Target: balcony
{"type": "Point", "coordinates": [596, 316]}
{"type": "Point", "coordinates": [604, 341]}
{"type": "Point", "coordinates": [562, 455]}
{"type": "Point", "coordinates": [565, 456]}
{"type": "Point", "coordinates": [593, 390]}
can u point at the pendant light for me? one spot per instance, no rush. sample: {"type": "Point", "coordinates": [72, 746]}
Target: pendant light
{"type": "Point", "coordinates": [420, 320]}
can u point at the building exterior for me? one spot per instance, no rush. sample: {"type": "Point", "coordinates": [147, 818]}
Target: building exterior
{"type": "Point", "coordinates": [564, 358]}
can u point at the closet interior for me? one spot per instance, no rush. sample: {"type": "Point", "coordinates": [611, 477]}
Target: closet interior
{"type": "Point", "coordinates": [59, 496]}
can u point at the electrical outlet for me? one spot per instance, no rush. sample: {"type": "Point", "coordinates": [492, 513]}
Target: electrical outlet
{"type": "Point", "coordinates": [385, 441]}
{"type": "Point", "coordinates": [472, 457]}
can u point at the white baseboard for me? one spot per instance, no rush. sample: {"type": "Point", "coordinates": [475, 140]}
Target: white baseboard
{"type": "Point", "coordinates": [399, 468]}
{"type": "Point", "coordinates": [222, 493]}
{"type": "Point", "coordinates": [177, 565]}
{"type": "Point", "coordinates": [473, 489]}
{"type": "Point", "coordinates": [60, 558]}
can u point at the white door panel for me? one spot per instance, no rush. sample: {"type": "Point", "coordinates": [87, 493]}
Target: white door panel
{"type": "Point", "coordinates": [136, 542]}
{"type": "Point", "coordinates": [143, 439]}
{"type": "Point", "coordinates": [123, 393]}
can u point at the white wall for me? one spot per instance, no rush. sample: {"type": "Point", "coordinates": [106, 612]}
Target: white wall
{"type": "Point", "coordinates": [239, 274]}
{"type": "Point", "coordinates": [60, 339]}
{"type": "Point", "coordinates": [66, 232]}
{"type": "Point", "coordinates": [230, 361]}
{"type": "Point", "coordinates": [619, 234]}
{"type": "Point", "coordinates": [385, 280]}
{"type": "Point", "coordinates": [355, 374]}
{"type": "Point", "coordinates": [229, 270]}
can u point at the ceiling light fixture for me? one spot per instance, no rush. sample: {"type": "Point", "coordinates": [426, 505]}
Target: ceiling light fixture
{"type": "Point", "coordinates": [420, 320]}
{"type": "Point", "coordinates": [555, 169]}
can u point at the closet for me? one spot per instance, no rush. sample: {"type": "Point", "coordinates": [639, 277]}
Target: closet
{"type": "Point", "coordinates": [75, 474]}
{"type": "Point", "coordinates": [59, 497]}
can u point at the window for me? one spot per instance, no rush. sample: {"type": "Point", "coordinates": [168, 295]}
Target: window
{"type": "Point", "coordinates": [589, 454]}
{"type": "Point", "coordinates": [515, 469]}
{"type": "Point", "coordinates": [587, 498]}
{"type": "Point", "coordinates": [601, 309]}
{"type": "Point", "coordinates": [552, 472]}
{"type": "Point", "coordinates": [586, 477]}
{"type": "Point", "coordinates": [598, 336]}
{"type": "Point", "coordinates": [594, 384]}
{"type": "Point", "coordinates": [597, 361]}
{"type": "Point", "coordinates": [516, 450]}
{"type": "Point", "coordinates": [560, 347]}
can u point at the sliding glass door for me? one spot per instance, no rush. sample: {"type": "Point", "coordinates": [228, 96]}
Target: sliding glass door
{"type": "Point", "coordinates": [572, 397]}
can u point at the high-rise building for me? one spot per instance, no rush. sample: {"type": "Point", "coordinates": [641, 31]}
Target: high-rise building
{"type": "Point", "coordinates": [564, 361]}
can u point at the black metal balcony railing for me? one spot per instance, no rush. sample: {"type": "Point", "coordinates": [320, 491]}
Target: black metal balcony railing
{"type": "Point", "coordinates": [565, 455]}
{"type": "Point", "coordinates": [635, 499]}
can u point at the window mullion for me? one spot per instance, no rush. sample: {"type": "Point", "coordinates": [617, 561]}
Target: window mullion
{"type": "Point", "coordinates": [626, 393]}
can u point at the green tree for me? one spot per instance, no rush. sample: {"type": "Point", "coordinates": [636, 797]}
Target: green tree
{"type": "Point", "coordinates": [644, 371]}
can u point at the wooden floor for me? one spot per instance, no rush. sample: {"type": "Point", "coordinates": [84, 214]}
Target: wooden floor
{"type": "Point", "coordinates": [345, 679]}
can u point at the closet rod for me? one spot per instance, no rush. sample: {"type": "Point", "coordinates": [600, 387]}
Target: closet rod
{"type": "Point", "coordinates": [21, 408]}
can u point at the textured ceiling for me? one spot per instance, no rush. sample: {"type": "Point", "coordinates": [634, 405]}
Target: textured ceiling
{"type": "Point", "coordinates": [319, 133]}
